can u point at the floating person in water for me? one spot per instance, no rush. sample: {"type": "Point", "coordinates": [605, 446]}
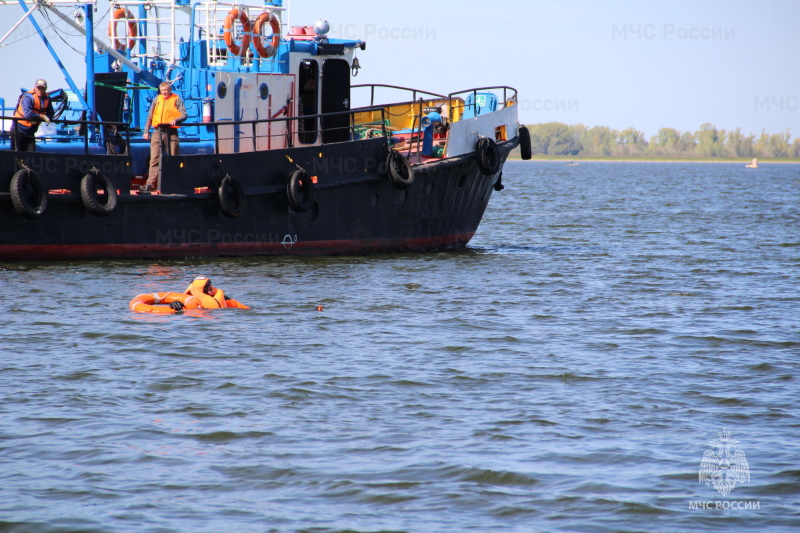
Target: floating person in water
{"type": "Point", "coordinates": [209, 296]}
{"type": "Point", "coordinates": [200, 294]}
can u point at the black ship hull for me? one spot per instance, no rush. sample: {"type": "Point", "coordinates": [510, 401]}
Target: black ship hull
{"type": "Point", "coordinates": [355, 207]}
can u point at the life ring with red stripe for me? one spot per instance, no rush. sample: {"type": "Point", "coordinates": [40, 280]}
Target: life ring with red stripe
{"type": "Point", "coordinates": [122, 14]}
{"type": "Point", "coordinates": [275, 24]}
{"type": "Point", "coordinates": [227, 33]}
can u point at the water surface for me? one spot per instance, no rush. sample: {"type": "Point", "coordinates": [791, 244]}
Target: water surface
{"type": "Point", "coordinates": [567, 372]}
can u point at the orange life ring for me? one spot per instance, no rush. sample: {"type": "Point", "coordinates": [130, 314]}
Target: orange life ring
{"type": "Point", "coordinates": [120, 14]}
{"type": "Point", "coordinates": [275, 24]}
{"type": "Point", "coordinates": [234, 14]}
{"type": "Point", "coordinates": [158, 302]}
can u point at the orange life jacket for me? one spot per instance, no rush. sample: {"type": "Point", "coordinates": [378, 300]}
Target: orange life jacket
{"type": "Point", "coordinates": [219, 296]}
{"type": "Point", "coordinates": [166, 110]}
{"type": "Point", "coordinates": [39, 105]}
{"type": "Point", "coordinates": [197, 289]}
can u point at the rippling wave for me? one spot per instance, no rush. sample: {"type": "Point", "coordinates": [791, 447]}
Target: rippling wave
{"type": "Point", "coordinates": [567, 372]}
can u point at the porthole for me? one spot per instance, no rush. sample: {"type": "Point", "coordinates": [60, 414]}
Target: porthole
{"type": "Point", "coordinates": [222, 90]}
{"type": "Point", "coordinates": [263, 91]}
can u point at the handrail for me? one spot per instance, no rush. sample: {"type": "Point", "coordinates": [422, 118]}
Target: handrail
{"type": "Point", "coordinates": [450, 97]}
{"type": "Point", "coordinates": [289, 130]}
{"type": "Point", "coordinates": [83, 130]}
{"type": "Point", "coordinates": [488, 88]}
{"type": "Point", "coordinates": [414, 92]}
{"type": "Point", "coordinates": [125, 127]}
{"type": "Point", "coordinates": [475, 91]}
{"type": "Point", "coordinates": [283, 119]}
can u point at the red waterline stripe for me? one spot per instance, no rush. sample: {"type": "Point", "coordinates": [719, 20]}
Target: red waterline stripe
{"type": "Point", "coordinates": [132, 251]}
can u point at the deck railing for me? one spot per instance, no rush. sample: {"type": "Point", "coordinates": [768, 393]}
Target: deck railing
{"type": "Point", "coordinates": [115, 136]}
{"type": "Point", "coordinates": [293, 129]}
{"type": "Point", "coordinates": [474, 92]}
{"type": "Point", "coordinates": [249, 135]}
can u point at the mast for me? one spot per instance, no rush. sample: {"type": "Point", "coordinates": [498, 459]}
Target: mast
{"type": "Point", "coordinates": [90, 100]}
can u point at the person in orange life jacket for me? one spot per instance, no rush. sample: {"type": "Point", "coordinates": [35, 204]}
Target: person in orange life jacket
{"type": "Point", "coordinates": [210, 297]}
{"type": "Point", "coordinates": [35, 106]}
{"type": "Point", "coordinates": [166, 112]}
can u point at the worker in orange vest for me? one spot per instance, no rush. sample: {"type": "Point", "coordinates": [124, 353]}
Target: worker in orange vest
{"type": "Point", "coordinates": [166, 113]}
{"type": "Point", "coordinates": [34, 107]}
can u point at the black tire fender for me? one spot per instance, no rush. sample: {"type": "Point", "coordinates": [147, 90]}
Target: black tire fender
{"type": "Point", "coordinates": [232, 198]}
{"type": "Point", "coordinates": [488, 156]}
{"type": "Point", "coordinates": [300, 191]}
{"type": "Point", "coordinates": [401, 174]}
{"type": "Point", "coordinates": [90, 198]}
{"type": "Point", "coordinates": [28, 194]}
{"type": "Point", "coordinates": [525, 150]}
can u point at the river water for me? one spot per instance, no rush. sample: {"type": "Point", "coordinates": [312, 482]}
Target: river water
{"type": "Point", "coordinates": [609, 326]}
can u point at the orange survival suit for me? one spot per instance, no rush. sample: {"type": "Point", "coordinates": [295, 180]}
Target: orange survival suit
{"type": "Point", "coordinates": [210, 297]}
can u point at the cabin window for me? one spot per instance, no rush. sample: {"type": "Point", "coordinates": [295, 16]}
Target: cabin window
{"type": "Point", "coordinates": [308, 97]}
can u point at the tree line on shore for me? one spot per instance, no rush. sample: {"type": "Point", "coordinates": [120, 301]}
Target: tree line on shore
{"type": "Point", "coordinates": [558, 139]}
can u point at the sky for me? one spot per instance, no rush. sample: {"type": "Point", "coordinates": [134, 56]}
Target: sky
{"type": "Point", "coordinates": [642, 64]}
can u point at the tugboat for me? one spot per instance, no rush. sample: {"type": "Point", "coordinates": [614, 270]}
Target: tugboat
{"type": "Point", "coordinates": [272, 159]}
